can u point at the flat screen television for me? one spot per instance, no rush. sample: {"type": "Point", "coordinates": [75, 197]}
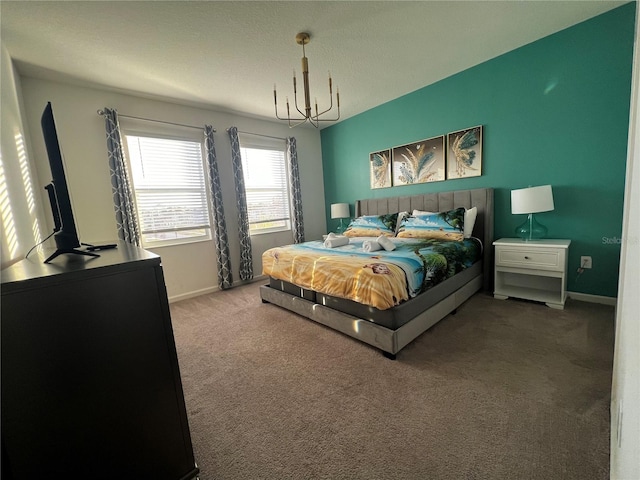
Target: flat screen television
{"type": "Point", "coordinates": [66, 235]}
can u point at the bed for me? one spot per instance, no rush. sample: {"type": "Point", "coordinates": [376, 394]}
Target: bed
{"type": "Point", "coordinates": [391, 329]}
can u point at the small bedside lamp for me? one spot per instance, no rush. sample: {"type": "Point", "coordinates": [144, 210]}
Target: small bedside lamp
{"type": "Point", "coordinates": [531, 200]}
{"type": "Point", "coordinates": [340, 210]}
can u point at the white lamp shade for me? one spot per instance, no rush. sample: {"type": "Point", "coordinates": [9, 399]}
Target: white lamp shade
{"type": "Point", "coordinates": [339, 210]}
{"type": "Point", "coordinates": [532, 200]}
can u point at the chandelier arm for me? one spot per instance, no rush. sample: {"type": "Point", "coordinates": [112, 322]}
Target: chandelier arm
{"type": "Point", "coordinates": [325, 119]}
{"type": "Point", "coordinates": [303, 120]}
{"type": "Point", "coordinates": [275, 103]}
{"type": "Point", "coordinates": [278, 116]}
{"type": "Point", "coordinates": [330, 101]}
{"type": "Point", "coordinates": [322, 113]}
{"type": "Point", "coordinates": [317, 119]}
{"type": "Point", "coordinates": [295, 98]}
{"type": "Point", "coordinates": [287, 118]}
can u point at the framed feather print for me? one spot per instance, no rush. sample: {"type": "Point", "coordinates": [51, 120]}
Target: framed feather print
{"type": "Point", "coordinates": [419, 162]}
{"type": "Point", "coordinates": [380, 167]}
{"type": "Point", "coordinates": [464, 153]}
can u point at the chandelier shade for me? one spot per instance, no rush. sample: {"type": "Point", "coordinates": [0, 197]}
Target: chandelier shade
{"type": "Point", "coordinates": [307, 115]}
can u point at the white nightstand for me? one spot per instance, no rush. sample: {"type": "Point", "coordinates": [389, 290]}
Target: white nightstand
{"type": "Point", "coordinates": [535, 270]}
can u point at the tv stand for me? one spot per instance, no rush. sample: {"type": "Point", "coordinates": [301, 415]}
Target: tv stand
{"type": "Point", "coordinates": [60, 251]}
{"type": "Point", "coordinates": [105, 246]}
{"type": "Point", "coordinates": [90, 375]}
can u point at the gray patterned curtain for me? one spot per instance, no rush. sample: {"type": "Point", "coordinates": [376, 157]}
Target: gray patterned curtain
{"type": "Point", "coordinates": [296, 192]}
{"type": "Point", "coordinates": [123, 201]}
{"type": "Point", "coordinates": [246, 258]}
{"type": "Point", "coordinates": [225, 277]}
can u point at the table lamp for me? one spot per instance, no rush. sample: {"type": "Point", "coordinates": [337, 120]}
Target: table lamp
{"type": "Point", "coordinates": [341, 211]}
{"type": "Point", "coordinates": [529, 201]}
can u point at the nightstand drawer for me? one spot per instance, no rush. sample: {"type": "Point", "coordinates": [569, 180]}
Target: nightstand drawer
{"type": "Point", "coordinates": [547, 259]}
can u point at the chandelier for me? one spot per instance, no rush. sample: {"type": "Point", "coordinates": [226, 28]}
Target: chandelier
{"type": "Point", "coordinates": [306, 115]}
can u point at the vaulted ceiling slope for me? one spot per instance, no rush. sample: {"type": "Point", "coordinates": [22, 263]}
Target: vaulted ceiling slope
{"type": "Point", "coordinates": [229, 55]}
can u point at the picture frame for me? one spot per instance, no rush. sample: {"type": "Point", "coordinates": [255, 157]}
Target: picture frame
{"type": "Point", "coordinates": [380, 168]}
{"type": "Point", "coordinates": [464, 153]}
{"type": "Point", "coordinates": [419, 162]}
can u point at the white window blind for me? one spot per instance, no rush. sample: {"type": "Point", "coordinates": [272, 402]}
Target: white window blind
{"type": "Point", "coordinates": [266, 186]}
{"type": "Point", "coordinates": [170, 189]}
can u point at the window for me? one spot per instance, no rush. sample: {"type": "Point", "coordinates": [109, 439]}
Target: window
{"type": "Point", "coordinates": [266, 185]}
{"type": "Point", "coordinates": [170, 189]}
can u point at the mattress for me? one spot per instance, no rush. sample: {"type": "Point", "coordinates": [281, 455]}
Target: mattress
{"type": "Point", "coordinates": [376, 281]}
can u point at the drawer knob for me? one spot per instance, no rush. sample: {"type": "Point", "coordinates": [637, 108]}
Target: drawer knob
{"type": "Point", "coordinates": [526, 258]}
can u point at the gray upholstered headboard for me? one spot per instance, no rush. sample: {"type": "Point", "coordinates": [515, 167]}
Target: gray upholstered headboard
{"type": "Point", "coordinates": [482, 198]}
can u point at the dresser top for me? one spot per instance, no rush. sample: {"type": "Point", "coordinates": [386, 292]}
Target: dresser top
{"type": "Point", "coordinates": [33, 269]}
{"type": "Point", "coordinates": [542, 243]}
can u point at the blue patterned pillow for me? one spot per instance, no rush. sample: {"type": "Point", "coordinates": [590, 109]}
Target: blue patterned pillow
{"type": "Point", "coordinates": [443, 225]}
{"type": "Point", "coordinates": [373, 226]}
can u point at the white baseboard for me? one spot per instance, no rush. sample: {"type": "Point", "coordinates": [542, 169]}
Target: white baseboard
{"type": "Point", "coordinates": [205, 291]}
{"type": "Point", "coordinates": [582, 297]}
{"type": "Point", "coordinates": [585, 297]}
{"type": "Point", "coordinates": [195, 293]}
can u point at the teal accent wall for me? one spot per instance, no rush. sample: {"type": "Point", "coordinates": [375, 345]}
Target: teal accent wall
{"type": "Point", "coordinates": [555, 112]}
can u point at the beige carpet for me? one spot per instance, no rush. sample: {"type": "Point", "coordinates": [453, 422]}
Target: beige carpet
{"type": "Point", "coordinates": [501, 390]}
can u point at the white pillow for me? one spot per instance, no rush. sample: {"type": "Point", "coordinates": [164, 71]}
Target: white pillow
{"type": "Point", "coordinates": [422, 212]}
{"type": "Point", "coordinates": [470, 215]}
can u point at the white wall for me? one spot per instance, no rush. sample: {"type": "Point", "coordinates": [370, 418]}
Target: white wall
{"type": "Point", "coordinates": [21, 215]}
{"type": "Point", "coordinates": [625, 394]}
{"type": "Point", "coordinates": [189, 269]}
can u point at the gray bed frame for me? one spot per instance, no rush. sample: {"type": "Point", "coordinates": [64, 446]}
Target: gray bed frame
{"type": "Point", "coordinates": [388, 340]}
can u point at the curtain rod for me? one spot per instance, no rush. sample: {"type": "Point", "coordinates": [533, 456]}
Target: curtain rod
{"type": "Point", "coordinates": [101, 112]}
{"type": "Point", "coordinates": [260, 135]}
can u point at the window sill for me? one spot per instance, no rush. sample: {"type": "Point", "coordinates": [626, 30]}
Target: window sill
{"type": "Point", "coordinates": [173, 243]}
{"type": "Point", "coordinates": [284, 230]}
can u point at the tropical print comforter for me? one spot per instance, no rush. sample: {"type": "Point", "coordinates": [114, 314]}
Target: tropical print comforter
{"type": "Point", "coordinates": [382, 278]}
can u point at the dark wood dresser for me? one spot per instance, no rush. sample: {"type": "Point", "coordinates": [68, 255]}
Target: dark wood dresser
{"type": "Point", "coordinates": [90, 379]}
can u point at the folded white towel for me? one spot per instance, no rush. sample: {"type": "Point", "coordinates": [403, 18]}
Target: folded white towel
{"type": "Point", "coordinates": [371, 246]}
{"type": "Point", "coordinates": [335, 241]}
{"type": "Point", "coordinates": [386, 243]}
{"type": "Point", "coordinates": [331, 235]}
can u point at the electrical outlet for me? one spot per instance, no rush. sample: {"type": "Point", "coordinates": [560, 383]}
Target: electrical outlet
{"type": "Point", "coordinates": [585, 262]}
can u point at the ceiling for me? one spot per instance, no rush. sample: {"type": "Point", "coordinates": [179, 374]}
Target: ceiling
{"type": "Point", "coordinates": [229, 55]}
